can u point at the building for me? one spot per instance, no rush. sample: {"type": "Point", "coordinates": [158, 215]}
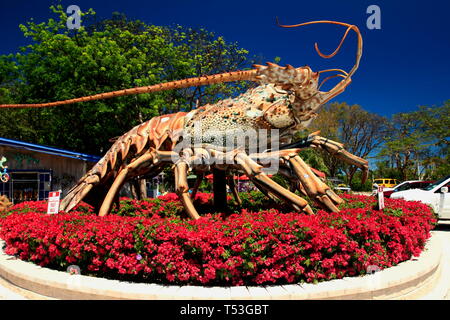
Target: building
{"type": "Point", "coordinates": [34, 170]}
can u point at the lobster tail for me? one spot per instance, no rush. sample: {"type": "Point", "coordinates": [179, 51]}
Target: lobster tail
{"type": "Point", "coordinates": [91, 181]}
{"type": "Point", "coordinates": [159, 133]}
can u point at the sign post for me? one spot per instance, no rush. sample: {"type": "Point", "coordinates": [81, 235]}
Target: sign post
{"type": "Point", "coordinates": [380, 195]}
{"type": "Point", "coordinates": [53, 202]}
{"type": "Point", "coordinates": [444, 191]}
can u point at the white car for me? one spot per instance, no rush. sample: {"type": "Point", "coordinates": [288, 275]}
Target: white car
{"type": "Point", "coordinates": [431, 195]}
{"type": "Point", "coordinates": [343, 188]}
{"type": "Point", "coordinates": [399, 185]}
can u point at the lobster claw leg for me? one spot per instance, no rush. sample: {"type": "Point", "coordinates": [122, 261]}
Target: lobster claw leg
{"type": "Point", "coordinates": [337, 149]}
{"type": "Point", "coordinates": [182, 188]}
{"type": "Point", "coordinates": [253, 171]}
{"type": "Point", "coordinates": [150, 160]}
{"type": "Point", "coordinates": [315, 188]}
{"type": "Point", "coordinates": [120, 180]}
{"type": "Point", "coordinates": [303, 178]}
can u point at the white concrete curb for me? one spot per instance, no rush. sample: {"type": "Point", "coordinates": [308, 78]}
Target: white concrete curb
{"type": "Point", "coordinates": [409, 280]}
{"type": "Point", "coordinates": [442, 288]}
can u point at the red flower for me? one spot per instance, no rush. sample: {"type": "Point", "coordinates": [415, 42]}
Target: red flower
{"type": "Point", "coordinates": [266, 247]}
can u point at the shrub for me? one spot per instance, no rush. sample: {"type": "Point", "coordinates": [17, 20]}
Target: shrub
{"type": "Point", "coordinates": [147, 241]}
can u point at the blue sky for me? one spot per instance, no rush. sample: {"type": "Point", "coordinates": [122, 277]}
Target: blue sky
{"type": "Point", "coordinates": [404, 65]}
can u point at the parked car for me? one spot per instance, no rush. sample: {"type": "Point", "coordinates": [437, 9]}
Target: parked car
{"type": "Point", "coordinates": [432, 195]}
{"type": "Point", "coordinates": [385, 183]}
{"type": "Point", "coordinates": [343, 187]}
{"type": "Point", "coordinates": [339, 184]}
{"type": "Point", "coordinates": [406, 185]}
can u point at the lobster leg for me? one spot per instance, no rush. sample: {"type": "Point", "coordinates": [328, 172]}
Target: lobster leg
{"type": "Point", "coordinates": [182, 188]}
{"type": "Point", "coordinates": [120, 180]}
{"type": "Point", "coordinates": [294, 183]}
{"type": "Point", "coordinates": [198, 181]}
{"type": "Point", "coordinates": [131, 170]}
{"type": "Point", "coordinates": [269, 194]}
{"type": "Point", "coordinates": [77, 193]}
{"type": "Point", "coordinates": [337, 149]}
{"type": "Point", "coordinates": [266, 185]}
{"type": "Point", "coordinates": [315, 188]}
{"type": "Point", "coordinates": [307, 181]}
{"type": "Point", "coordinates": [253, 170]}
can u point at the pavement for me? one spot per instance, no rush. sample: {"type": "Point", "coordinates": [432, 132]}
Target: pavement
{"type": "Point", "coordinates": [443, 231]}
{"type": "Point", "coordinates": [10, 292]}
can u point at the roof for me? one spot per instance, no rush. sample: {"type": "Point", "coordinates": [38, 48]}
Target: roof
{"type": "Point", "coordinates": [318, 173]}
{"type": "Point", "coordinates": [48, 150]}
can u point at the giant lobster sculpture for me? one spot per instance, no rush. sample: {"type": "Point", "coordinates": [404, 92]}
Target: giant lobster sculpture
{"type": "Point", "coordinates": [286, 99]}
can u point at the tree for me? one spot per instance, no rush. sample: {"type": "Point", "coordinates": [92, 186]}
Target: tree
{"type": "Point", "coordinates": [435, 130]}
{"type": "Point", "coordinates": [209, 54]}
{"type": "Point", "coordinates": [360, 131]}
{"type": "Point", "coordinates": [108, 55]}
{"type": "Point", "coordinates": [435, 124]}
{"type": "Point", "coordinates": [404, 144]}
{"type": "Point", "coordinates": [419, 142]}
{"type": "Point", "coordinates": [328, 124]}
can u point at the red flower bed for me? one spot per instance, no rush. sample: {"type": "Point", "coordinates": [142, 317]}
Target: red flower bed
{"type": "Point", "coordinates": [148, 241]}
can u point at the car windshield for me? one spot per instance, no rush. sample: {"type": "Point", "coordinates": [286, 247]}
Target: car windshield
{"type": "Point", "coordinates": [405, 186]}
{"type": "Point", "coordinates": [433, 185]}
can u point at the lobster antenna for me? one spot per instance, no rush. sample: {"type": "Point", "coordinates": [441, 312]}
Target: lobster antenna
{"type": "Point", "coordinates": [349, 27]}
{"type": "Point", "coordinates": [343, 74]}
{"type": "Point", "coordinates": [339, 70]}
{"type": "Point", "coordinates": [316, 46]}
{"type": "Point", "coordinates": [328, 78]}
{"type": "Point", "coordinates": [247, 75]}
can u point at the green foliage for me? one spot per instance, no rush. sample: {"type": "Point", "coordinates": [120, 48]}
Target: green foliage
{"type": "Point", "coordinates": [435, 129]}
{"type": "Point", "coordinates": [359, 130]}
{"type": "Point", "coordinates": [385, 170]}
{"type": "Point", "coordinates": [357, 185]}
{"type": "Point", "coordinates": [253, 200]}
{"type": "Point", "coordinates": [205, 186]}
{"type": "Point", "coordinates": [280, 180]}
{"type": "Point", "coordinates": [105, 56]}
{"type": "Point", "coordinates": [418, 139]}
{"type": "Point", "coordinates": [394, 212]}
{"type": "Point", "coordinates": [314, 159]}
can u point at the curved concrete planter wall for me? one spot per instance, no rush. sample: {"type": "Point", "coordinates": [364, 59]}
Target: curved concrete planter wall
{"type": "Point", "coordinates": [409, 280]}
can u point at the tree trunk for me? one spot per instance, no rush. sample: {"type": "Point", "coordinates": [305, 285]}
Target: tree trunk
{"type": "Point", "coordinates": [133, 190]}
{"type": "Point", "coordinates": [351, 174]}
{"type": "Point", "coordinates": [143, 188]}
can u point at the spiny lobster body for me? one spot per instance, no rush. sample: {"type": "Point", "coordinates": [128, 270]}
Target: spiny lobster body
{"type": "Point", "coordinates": [286, 99]}
{"type": "Point", "coordinates": [252, 110]}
